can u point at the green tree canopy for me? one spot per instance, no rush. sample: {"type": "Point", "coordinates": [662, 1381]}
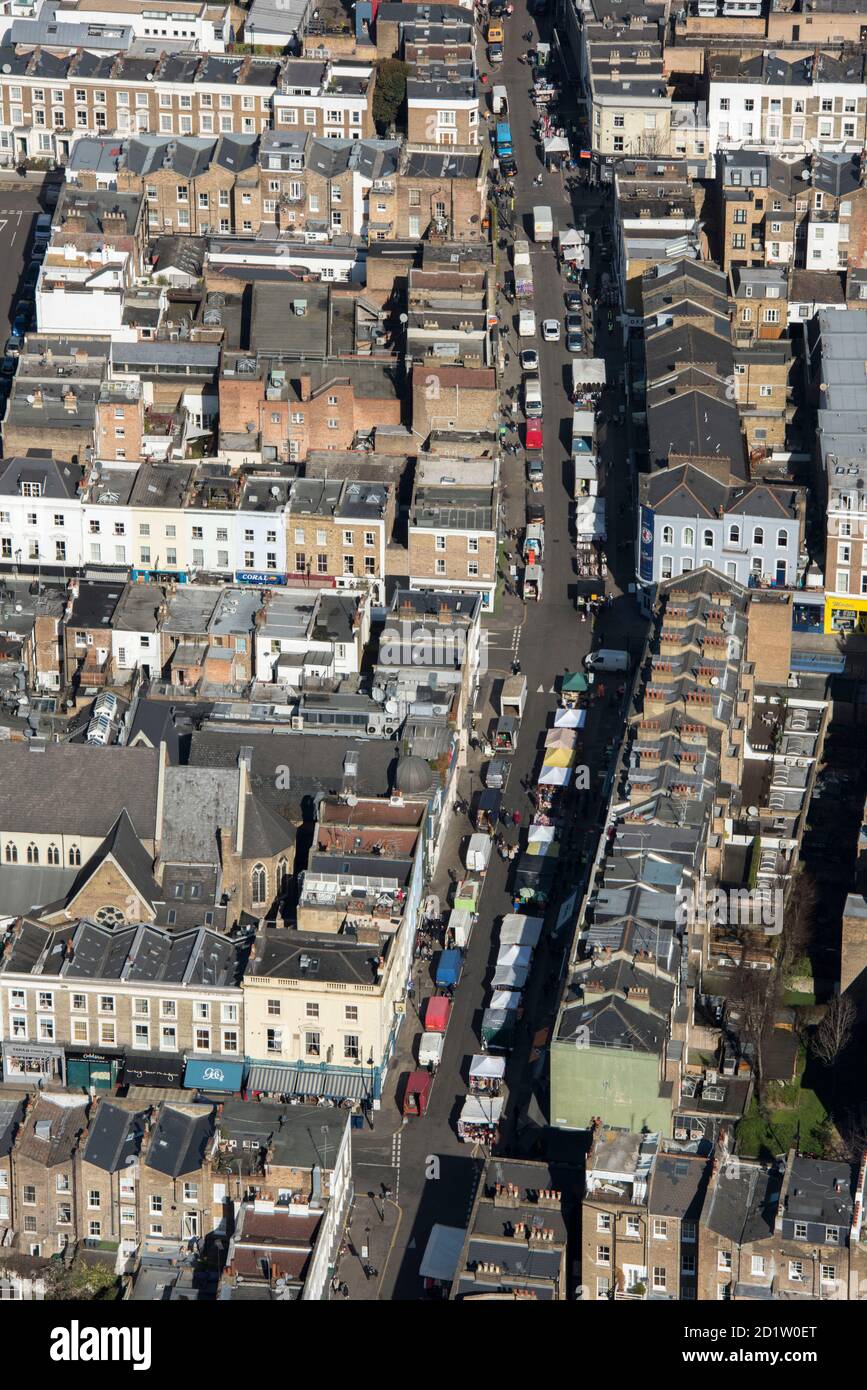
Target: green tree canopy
{"type": "Point", "coordinates": [389, 94]}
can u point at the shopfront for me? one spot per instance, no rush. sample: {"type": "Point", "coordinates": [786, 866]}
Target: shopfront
{"type": "Point", "coordinates": [92, 1071]}
{"type": "Point", "coordinates": [151, 1069]}
{"type": "Point", "coordinates": [33, 1062]}
{"type": "Point", "coordinates": [845, 616]}
{"type": "Point", "coordinates": [214, 1075]}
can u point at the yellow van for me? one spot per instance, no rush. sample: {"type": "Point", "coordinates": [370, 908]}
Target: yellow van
{"type": "Point", "coordinates": [496, 33]}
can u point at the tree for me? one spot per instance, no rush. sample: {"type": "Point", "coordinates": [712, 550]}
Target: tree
{"type": "Point", "coordinates": [389, 93]}
{"type": "Point", "coordinates": [82, 1281]}
{"type": "Point", "coordinates": [834, 1033]}
{"type": "Point", "coordinates": [799, 920]}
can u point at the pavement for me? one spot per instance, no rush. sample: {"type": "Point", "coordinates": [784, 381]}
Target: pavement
{"type": "Point", "coordinates": [431, 1175]}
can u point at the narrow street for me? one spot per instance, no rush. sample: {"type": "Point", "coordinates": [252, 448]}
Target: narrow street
{"type": "Point", "coordinates": [431, 1175]}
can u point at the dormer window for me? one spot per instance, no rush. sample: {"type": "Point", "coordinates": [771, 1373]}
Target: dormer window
{"type": "Point", "coordinates": [29, 489]}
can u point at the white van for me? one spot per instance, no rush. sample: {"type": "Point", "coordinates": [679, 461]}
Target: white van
{"type": "Point", "coordinates": [607, 659]}
{"type": "Point", "coordinates": [532, 397]}
{"type": "Point", "coordinates": [526, 323]}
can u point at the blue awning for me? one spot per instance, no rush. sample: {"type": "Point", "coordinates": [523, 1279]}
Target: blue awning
{"type": "Point", "coordinates": [213, 1075]}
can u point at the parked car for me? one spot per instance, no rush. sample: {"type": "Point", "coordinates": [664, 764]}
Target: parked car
{"type": "Point", "coordinates": [21, 321]}
{"type": "Point", "coordinates": [13, 345]}
{"type": "Point", "coordinates": [31, 274]}
{"type": "Point", "coordinates": [8, 365]}
{"type": "Point", "coordinates": [495, 54]}
{"type": "Point", "coordinates": [573, 300]}
{"type": "Point", "coordinates": [574, 323]}
{"type": "Point", "coordinates": [529, 360]}
{"type": "Point", "coordinates": [575, 341]}
{"type": "Point", "coordinates": [551, 330]}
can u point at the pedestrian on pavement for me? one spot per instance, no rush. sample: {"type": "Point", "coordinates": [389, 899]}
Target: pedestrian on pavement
{"type": "Point", "coordinates": [516, 817]}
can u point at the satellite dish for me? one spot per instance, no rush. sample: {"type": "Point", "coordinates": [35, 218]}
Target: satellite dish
{"type": "Point", "coordinates": [752, 810]}
{"type": "Point", "coordinates": [391, 707]}
{"type": "Point", "coordinates": [714, 680]}
{"type": "Point", "coordinates": [404, 318]}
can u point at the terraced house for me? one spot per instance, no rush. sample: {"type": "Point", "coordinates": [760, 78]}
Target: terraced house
{"type": "Point", "coordinates": [50, 99]}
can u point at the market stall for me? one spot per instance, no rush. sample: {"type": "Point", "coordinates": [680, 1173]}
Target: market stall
{"type": "Point", "coordinates": [510, 977]}
{"type": "Point", "coordinates": [555, 777]}
{"type": "Point", "coordinates": [559, 757]}
{"type": "Point", "coordinates": [561, 738]}
{"type": "Point", "coordinates": [574, 690]}
{"type": "Point", "coordinates": [498, 1029]}
{"type": "Point", "coordinates": [510, 953]}
{"type": "Point", "coordinates": [506, 999]}
{"type": "Point", "coordinates": [571, 718]}
{"type": "Point", "coordinates": [487, 1074]}
{"type": "Point", "coordinates": [479, 1122]}
{"type": "Point", "coordinates": [518, 930]}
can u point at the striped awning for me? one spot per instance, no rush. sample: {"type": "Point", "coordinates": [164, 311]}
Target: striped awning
{"type": "Point", "coordinates": [354, 1085]}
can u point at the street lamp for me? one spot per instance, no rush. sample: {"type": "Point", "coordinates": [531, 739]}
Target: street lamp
{"type": "Point", "coordinates": [371, 1064]}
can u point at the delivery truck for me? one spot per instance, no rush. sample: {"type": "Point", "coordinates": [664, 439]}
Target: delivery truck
{"type": "Point", "coordinates": [513, 697]}
{"type": "Point", "coordinates": [416, 1093]}
{"type": "Point", "coordinates": [526, 323]}
{"type": "Point", "coordinates": [503, 140]}
{"type": "Point", "coordinates": [479, 853]}
{"type": "Point", "coordinates": [607, 660]}
{"type": "Point", "coordinates": [461, 925]}
{"type": "Point", "coordinates": [523, 270]}
{"type": "Point", "coordinates": [499, 101]}
{"type": "Point", "coordinates": [430, 1050]}
{"type": "Point", "coordinates": [449, 967]}
{"type": "Point", "coordinates": [543, 224]}
{"type": "Point", "coordinates": [533, 583]}
{"type": "Point", "coordinates": [436, 1014]}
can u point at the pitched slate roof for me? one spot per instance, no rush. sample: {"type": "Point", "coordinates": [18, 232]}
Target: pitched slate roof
{"type": "Point", "coordinates": [114, 1136]}
{"type": "Point", "coordinates": [180, 1139]}
{"type": "Point", "coordinates": [74, 789]}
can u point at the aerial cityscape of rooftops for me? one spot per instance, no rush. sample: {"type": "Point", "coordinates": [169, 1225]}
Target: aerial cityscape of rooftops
{"type": "Point", "coordinates": [433, 651]}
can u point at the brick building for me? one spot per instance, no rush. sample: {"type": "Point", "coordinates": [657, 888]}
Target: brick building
{"type": "Point", "coordinates": [446, 400]}
{"type": "Point", "coordinates": [453, 526]}
{"type": "Point", "coordinates": [339, 530]}
{"type": "Point", "coordinates": [44, 1154]}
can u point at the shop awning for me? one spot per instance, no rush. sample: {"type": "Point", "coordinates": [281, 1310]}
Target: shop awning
{"type": "Point", "coordinates": [289, 1081]}
{"type": "Point", "coordinates": [151, 1069]}
{"type": "Point", "coordinates": [214, 1075]}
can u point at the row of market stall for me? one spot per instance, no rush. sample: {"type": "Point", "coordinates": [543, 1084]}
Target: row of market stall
{"type": "Point", "coordinates": [518, 938]}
